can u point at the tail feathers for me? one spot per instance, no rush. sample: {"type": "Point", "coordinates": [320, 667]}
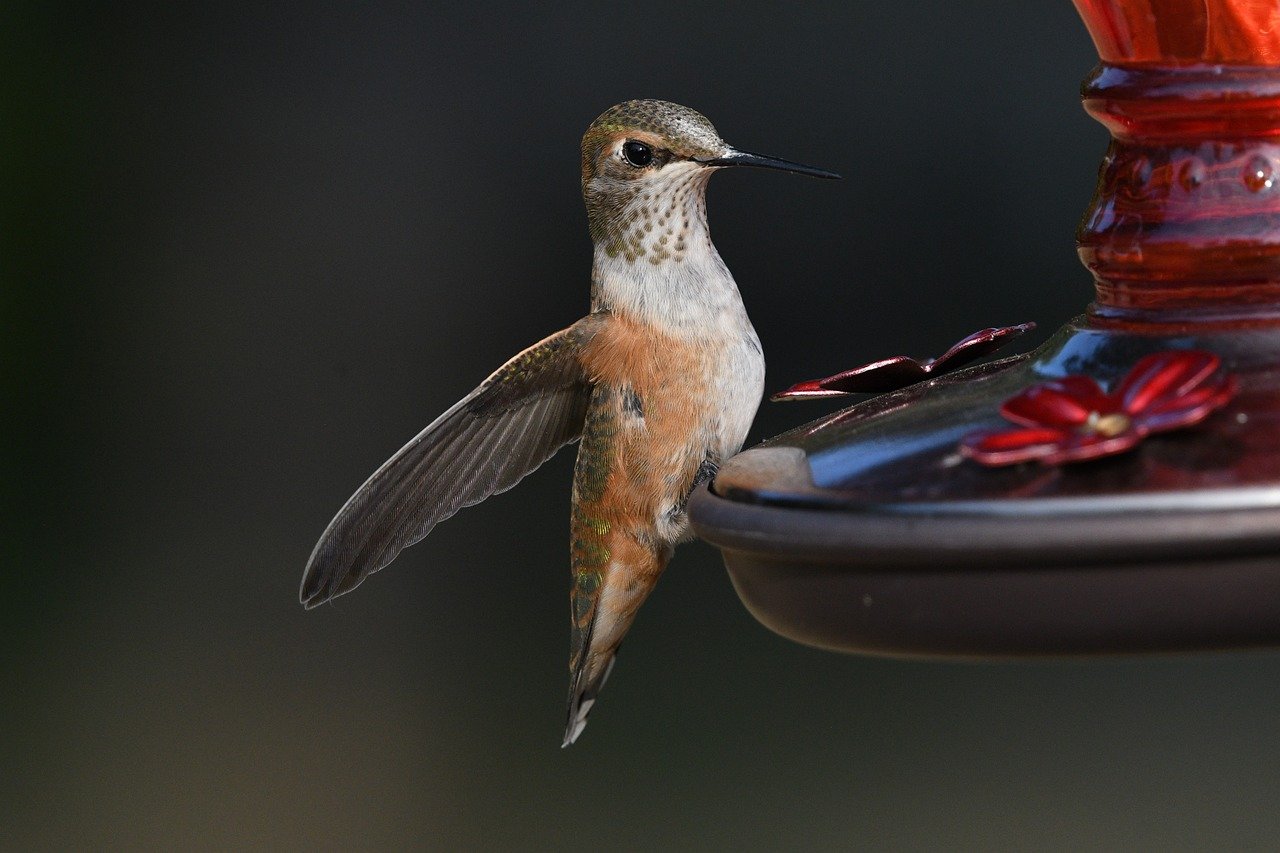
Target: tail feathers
{"type": "Point", "coordinates": [582, 697]}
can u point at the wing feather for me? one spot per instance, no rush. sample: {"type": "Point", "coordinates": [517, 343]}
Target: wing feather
{"type": "Point", "coordinates": [486, 443]}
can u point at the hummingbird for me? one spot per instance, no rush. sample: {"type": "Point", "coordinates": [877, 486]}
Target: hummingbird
{"type": "Point", "coordinates": [660, 381]}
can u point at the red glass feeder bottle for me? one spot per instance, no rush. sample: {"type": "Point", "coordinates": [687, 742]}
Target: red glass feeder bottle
{"type": "Point", "coordinates": [870, 531]}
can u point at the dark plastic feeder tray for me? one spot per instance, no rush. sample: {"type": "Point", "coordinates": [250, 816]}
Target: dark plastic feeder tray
{"type": "Point", "coordinates": [867, 531]}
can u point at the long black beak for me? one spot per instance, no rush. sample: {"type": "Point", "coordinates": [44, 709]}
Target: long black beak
{"type": "Point", "coordinates": [742, 158]}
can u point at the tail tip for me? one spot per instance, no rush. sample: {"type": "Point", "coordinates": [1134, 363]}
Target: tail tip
{"type": "Point", "coordinates": [582, 700]}
{"type": "Point", "coordinates": [578, 712]}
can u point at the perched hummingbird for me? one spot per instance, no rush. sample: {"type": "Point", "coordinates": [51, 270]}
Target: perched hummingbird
{"type": "Point", "coordinates": [661, 381]}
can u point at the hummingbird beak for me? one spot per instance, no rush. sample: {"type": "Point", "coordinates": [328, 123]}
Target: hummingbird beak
{"type": "Point", "coordinates": [734, 157]}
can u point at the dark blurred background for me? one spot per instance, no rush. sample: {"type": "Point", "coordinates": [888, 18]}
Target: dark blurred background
{"type": "Point", "coordinates": [246, 255]}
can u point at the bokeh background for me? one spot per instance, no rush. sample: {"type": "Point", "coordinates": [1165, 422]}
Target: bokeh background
{"type": "Point", "coordinates": [247, 254]}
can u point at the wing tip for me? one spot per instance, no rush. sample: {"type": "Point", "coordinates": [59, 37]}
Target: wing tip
{"type": "Point", "coordinates": [320, 586]}
{"type": "Point", "coordinates": [322, 581]}
{"type": "Point", "coordinates": [311, 594]}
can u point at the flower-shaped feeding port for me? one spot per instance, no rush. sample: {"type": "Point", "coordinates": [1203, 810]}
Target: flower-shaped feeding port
{"type": "Point", "coordinates": [1072, 419]}
{"type": "Point", "coordinates": [899, 371]}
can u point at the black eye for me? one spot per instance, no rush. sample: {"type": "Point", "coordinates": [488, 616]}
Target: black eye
{"type": "Point", "coordinates": [637, 153]}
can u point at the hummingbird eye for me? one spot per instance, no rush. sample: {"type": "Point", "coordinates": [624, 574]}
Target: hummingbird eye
{"type": "Point", "coordinates": [637, 154]}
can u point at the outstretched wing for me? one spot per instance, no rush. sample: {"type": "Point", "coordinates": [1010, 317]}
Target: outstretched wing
{"type": "Point", "coordinates": [517, 419]}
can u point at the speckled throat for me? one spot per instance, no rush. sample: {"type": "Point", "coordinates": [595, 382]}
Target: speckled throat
{"type": "Point", "coordinates": [656, 220]}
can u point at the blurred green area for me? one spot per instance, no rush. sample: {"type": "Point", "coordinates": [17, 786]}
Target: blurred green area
{"type": "Point", "coordinates": [247, 254]}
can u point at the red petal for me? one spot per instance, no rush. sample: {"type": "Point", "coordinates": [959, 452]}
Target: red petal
{"type": "Point", "coordinates": [1190, 400]}
{"type": "Point", "coordinates": [899, 371]}
{"type": "Point", "coordinates": [1008, 447]}
{"type": "Point", "coordinates": [1164, 375]}
{"type": "Point", "coordinates": [805, 391]}
{"type": "Point", "coordinates": [975, 346]}
{"type": "Point", "coordinates": [1085, 447]}
{"type": "Point", "coordinates": [1065, 402]}
{"type": "Point", "coordinates": [1189, 409]}
{"type": "Point", "coordinates": [887, 374]}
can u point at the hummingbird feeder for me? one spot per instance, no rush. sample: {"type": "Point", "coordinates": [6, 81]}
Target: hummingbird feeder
{"type": "Point", "coordinates": [943, 519]}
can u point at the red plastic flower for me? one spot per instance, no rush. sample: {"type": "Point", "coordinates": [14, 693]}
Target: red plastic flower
{"type": "Point", "coordinates": [899, 371]}
{"type": "Point", "coordinates": [1073, 419]}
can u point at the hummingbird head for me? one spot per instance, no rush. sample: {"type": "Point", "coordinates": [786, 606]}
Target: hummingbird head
{"type": "Point", "coordinates": [645, 166]}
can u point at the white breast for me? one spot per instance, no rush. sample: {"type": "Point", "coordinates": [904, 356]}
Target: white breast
{"type": "Point", "coordinates": [740, 390]}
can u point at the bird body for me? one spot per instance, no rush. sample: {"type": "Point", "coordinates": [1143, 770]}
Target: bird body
{"type": "Point", "coordinates": [661, 381]}
{"type": "Point", "coordinates": [667, 407]}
